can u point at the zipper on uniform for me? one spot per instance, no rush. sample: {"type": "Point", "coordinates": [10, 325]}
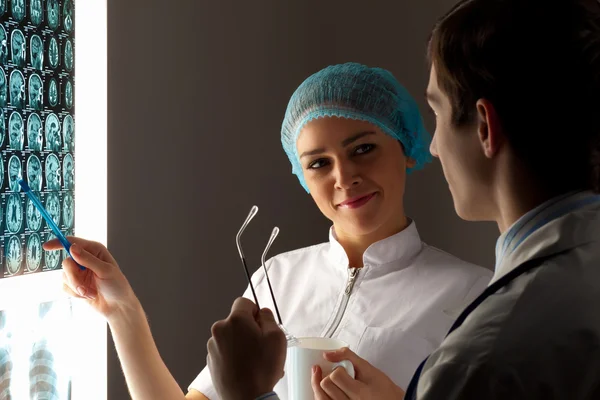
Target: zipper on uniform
{"type": "Point", "coordinates": [351, 280]}
{"type": "Point", "coordinates": [352, 275]}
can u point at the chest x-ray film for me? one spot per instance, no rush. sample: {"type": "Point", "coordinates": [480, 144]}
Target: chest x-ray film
{"type": "Point", "coordinates": [37, 130]}
{"type": "Point", "coordinates": [36, 351]}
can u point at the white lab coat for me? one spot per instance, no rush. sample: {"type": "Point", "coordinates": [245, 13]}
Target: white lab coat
{"type": "Point", "coordinates": [399, 307]}
{"type": "Point", "coordinates": [537, 338]}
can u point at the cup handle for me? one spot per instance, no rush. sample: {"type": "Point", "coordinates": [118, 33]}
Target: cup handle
{"type": "Point", "coordinates": [347, 365]}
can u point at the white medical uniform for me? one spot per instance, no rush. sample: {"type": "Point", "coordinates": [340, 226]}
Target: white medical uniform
{"type": "Point", "coordinates": [393, 312]}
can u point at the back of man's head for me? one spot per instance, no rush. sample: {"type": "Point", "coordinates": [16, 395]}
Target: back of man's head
{"type": "Point", "coordinates": [538, 62]}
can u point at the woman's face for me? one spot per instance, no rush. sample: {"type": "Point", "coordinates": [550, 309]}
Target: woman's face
{"type": "Point", "coordinates": [355, 174]}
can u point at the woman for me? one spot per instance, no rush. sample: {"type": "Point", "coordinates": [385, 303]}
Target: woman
{"type": "Point", "coordinates": [351, 133]}
{"type": "Point", "coordinates": [515, 88]}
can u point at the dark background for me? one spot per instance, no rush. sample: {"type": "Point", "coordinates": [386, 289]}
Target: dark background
{"type": "Point", "coordinates": [197, 93]}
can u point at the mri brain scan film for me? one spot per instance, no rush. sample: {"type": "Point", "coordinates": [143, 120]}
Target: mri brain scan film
{"type": "Point", "coordinates": [37, 130]}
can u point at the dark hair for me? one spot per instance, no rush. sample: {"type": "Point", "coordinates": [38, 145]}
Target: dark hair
{"type": "Point", "coordinates": [538, 62]}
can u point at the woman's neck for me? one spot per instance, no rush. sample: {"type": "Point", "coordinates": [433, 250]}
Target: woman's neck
{"type": "Point", "coordinates": [356, 245]}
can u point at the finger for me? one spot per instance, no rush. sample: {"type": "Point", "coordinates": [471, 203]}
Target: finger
{"type": "Point", "coordinates": [243, 307]}
{"type": "Point", "coordinates": [72, 275]}
{"type": "Point", "coordinates": [334, 392]}
{"type": "Point", "coordinates": [80, 281]}
{"type": "Point", "coordinates": [211, 347]}
{"type": "Point", "coordinates": [75, 277]}
{"type": "Point", "coordinates": [66, 280]}
{"type": "Point", "coordinates": [209, 362]}
{"type": "Point", "coordinates": [315, 382]}
{"type": "Point", "coordinates": [216, 330]}
{"type": "Point", "coordinates": [360, 364]}
{"type": "Point", "coordinates": [84, 258]}
{"type": "Point", "coordinates": [67, 289]}
{"type": "Point", "coordinates": [270, 327]}
{"type": "Point", "coordinates": [94, 248]}
{"type": "Point", "coordinates": [266, 320]}
{"type": "Point", "coordinates": [351, 387]}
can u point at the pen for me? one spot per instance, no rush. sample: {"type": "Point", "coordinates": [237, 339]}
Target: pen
{"type": "Point", "coordinates": [36, 202]}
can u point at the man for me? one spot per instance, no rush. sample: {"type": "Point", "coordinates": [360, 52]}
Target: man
{"type": "Point", "coordinates": [515, 87]}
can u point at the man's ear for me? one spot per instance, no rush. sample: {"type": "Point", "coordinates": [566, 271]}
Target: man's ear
{"type": "Point", "coordinates": [489, 128]}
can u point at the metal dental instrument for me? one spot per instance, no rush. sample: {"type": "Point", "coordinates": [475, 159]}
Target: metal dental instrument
{"type": "Point", "coordinates": [291, 340]}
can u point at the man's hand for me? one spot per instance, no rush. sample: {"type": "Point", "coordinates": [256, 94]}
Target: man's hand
{"type": "Point", "coordinates": [246, 353]}
{"type": "Point", "coordinates": [369, 384]}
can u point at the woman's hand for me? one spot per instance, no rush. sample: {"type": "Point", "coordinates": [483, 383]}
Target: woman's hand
{"type": "Point", "coordinates": [102, 283]}
{"type": "Point", "coordinates": [369, 383]}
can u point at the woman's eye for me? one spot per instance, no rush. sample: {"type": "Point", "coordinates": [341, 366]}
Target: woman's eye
{"type": "Point", "coordinates": [320, 163]}
{"type": "Point", "coordinates": [364, 148]}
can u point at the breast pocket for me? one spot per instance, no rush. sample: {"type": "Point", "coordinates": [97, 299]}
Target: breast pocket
{"type": "Point", "coordinates": [395, 352]}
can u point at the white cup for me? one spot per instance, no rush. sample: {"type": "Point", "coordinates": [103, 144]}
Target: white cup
{"type": "Point", "coordinates": [303, 356]}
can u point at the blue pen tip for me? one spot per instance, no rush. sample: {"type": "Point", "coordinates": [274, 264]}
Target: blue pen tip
{"type": "Point", "coordinates": [24, 185]}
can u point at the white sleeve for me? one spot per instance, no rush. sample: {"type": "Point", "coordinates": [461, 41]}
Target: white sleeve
{"type": "Point", "coordinates": [203, 382]}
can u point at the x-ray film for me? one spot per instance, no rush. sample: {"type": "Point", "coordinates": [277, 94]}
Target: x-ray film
{"type": "Point", "coordinates": [18, 48]}
{"type": "Point", "coordinates": [34, 252]}
{"type": "Point", "coordinates": [18, 9]}
{"type": "Point", "coordinates": [16, 131]}
{"type": "Point", "coordinates": [36, 50]}
{"type": "Point", "coordinates": [35, 136]}
{"type": "Point", "coordinates": [3, 46]}
{"type": "Point", "coordinates": [33, 216]}
{"type": "Point", "coordinates": [36, 10]}
{"type": "Point", "coordinates": [14, 213]}
{"type": "Point", "coordinates": [36, 351]}
{"type": "Point", "coordinates": [37, 130]}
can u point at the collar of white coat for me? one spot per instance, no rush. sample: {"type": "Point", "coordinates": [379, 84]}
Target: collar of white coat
{"type": "Point", "coordinates": [559, 224]}
{"type": "Point", "coordinates": [399, 249]}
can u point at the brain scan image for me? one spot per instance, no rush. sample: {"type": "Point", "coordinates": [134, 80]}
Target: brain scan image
{"type": "Point", "coordinates": [18, 9]}
{"type": "Point", "coordinates": [33, 217]}
{"type": "Point", "coordinates": [17, 89]}
{"type": "Point", "coordinates": [36, 11]}
{"type": "Point", "coordinates": [67, 233]}
{"type": "Point", "coordinates": [53, 139]}
{"type": "Point", "coordinates": [68, 15]}
{"type": "Point", "coordinates": [2, 127]}
{"type": "Point", "coordinates": [34, 252]}
{"type": "Point", "coordinates": [1, 172]}
{"type": "Point", "coordinates": [53, 207]}
{"type": "Point", "coordinates": [35, 134]}
{"type": "Point", "coordinates": [3, 91]}
{"type": "Point", "coordinates": [68, 210]}
{"type": "Point", "coordinates": [36, 92]}
{"type": "Point", "coordinates": [53, 93]}
{"type": "Point", "coordinates": [18, 45]}
{"type": "Point", "coordinates": [16, 128]}
{"type": "Point", "coordinates": [53, 14]}
{"type": "Point", "coordinates": [69, 55]}
{"type": "Point", "coordinates": [36, 50]}
{"type": "Point", "coordinates": [14, 213]}
{"type": "Point", "coordinates": [69, 95]}
{"type": "Point", "coordinates": [15, 173]}
{"type": "Point", "coordinates": [52, 257]}
{"type": "Point", "coordinates": [68, 133]}
{"type": "Point", "coordinates": [14, 255]}
{"type": "Point", "coordinates": [3, 46]}
{"type": "Point", "coordinates": [69, 172]}
{"type": "Point", "coordinates": [52, 172]}
{"type": "Point", "coordinates": [53, 53]}
{"type": "Point", "coordinates": [34, 173]}
{"type": "Point", "coordinates": [2, 7]}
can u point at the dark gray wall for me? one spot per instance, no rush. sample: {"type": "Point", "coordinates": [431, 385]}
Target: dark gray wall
{"type": "Point", "coordinates": [197, 92]}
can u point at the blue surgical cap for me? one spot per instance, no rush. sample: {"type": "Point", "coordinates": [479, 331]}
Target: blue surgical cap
{"type": "Point", "coordinates": [358, 92]}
